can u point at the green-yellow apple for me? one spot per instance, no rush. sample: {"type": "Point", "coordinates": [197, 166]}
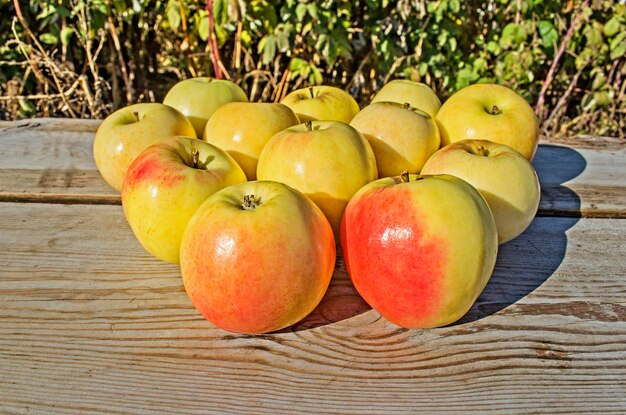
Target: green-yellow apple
{"type": "Point", "coordinates": [323, 103]}
{"type": "Point", "coordinates": [257, 257]}
{"type": "Point", "coordinates": [489, 112]}
{"type": "Point", "coordinates": [243, 129]}
{"type": "Point", "coordinates": [165, 185]}
{"type": "Point", "coordinates": [128, 131]}
{"type": "Point", "coordinates": [326, 160]}
{"type": "Point", "coordinates": [198, 98]}
{"type": "Point", "coordinates": [505, 178]}
{"type": "Point", "coordinates": [417, 94]}
{"type": "Point", "coordinates": [419, 249]}
{"type": "Point", "coordinates": [402, 137]}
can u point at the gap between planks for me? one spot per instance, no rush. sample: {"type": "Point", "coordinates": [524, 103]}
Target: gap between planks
{"type": "Point", "coordinates": [115, 200]}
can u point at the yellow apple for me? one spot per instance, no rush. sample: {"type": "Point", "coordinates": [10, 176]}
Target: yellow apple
{"type": "Point", "coordinates": [419, 249]}
{"type": "Point", "coordinates": [198, 98]}
{"type": "Point", "coordinates": [165, 185]}
{"type": "Point", "coordinates": [401, 137]}
{"type": "Point", "coordinates": [326, 160]}
{"type": "Point", "coordinates": [505, 178]}
{"type": "Point", "coordinates": [489, 112]}
{"type": "Point", "coordinates": [128, 131]}
{"type": "Point", "coordinates": [243, 129]}
{"type": "Point", "coordinates": [417, 94]}
{"type": "Point", "coordinates": [324, 103]}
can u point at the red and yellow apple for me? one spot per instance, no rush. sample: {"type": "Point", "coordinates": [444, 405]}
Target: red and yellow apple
{"type": "Point", "coordinates": [419, 249]}
{"type": "Point", "coordinates": [257, 257]}
{"type": "Point", "coordinates": [505, 178]}
{"type": "Point", "coordinates": [198, 98]}
{"type": "Point", "coordinates": [401, 137]}
{"type": "Point", "coordinates": [243, 128]}
{"type": "Point", "coordinates": [326, 160]}
{"type": "Point", "coordinates": [324, 103]}
{"type": "Point", "coordinates": [165, 185]}
{"type": "Point", "coordinates": [128, 131]}
{"type": "Point", "coordinates": [417, 94]}
{"type": "Point", "coordinates": [489, 112]}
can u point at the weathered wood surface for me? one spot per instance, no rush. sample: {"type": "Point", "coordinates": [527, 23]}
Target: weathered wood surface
{"type": "Point", "coordinates": [50, 160]}
{"type": "Point", "coordinates": [90, 323]}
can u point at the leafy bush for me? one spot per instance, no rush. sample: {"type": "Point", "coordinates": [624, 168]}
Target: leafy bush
{"type": "Point", "coordinates": [84, 58]}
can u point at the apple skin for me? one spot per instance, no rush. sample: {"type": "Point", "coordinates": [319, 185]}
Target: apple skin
{"type": "Point", "coordinates": [243, 129]}
{"type": "Point", "coordinates": [162, 190]}
{"type": "Point", "coordinates": [419, 252]}
{"type": "Point", "coordinates": [506, 180]}
{"type": "Point", "coordinates": [122, 136]}
{"type": "Point", "coordinates": [417, 94]}
{"type": "Point", "coordinates": [328, 164]}
{"type": "Point", "coordinates": [324, 103]}
{"type": "Point", "coordinates": [198, 98]}
{"type": "Point", "coordinates": [259, 270]}
{"type": "Point", "coordinates": [469, 114]}
{"type": "Point", "coordinates": [401, 137]}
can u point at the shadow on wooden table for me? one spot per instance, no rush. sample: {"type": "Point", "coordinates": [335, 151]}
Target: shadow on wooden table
{"type": "Point", "coordinates": [525, 263]}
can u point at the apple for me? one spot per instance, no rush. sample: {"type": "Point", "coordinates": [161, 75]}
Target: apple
{"type": "Point", "coordinates": [128, 131]}
{"type": "Point", "coordinates": [257, 257]}
{"type": "Point", "coordinates": [417, 94]}
{"type": "Point", "coordinates": [505, 178]}
{"type": "Point", "coordinates": [165, 185]}
{"type": "Point", "coordinates": [401, 137]}
{"type": "Point", "coordinates": [419, 249]}
{"type": "Point", "coordinates": [243, 129]}
{"type": "Point", "coordinates": [326, 160]}
{"type": "Point", "coordinates": [489, 112]}
{"type": "Point", "coordinates": [198, 98]}
{"type": "Point", "coordinates": [324, 103]}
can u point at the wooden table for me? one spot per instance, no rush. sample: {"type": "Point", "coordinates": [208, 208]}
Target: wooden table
{"type": "Point", "coordinates": [90, 323]}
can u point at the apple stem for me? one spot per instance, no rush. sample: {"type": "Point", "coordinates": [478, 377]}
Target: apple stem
{"type": "Point", "coordinates": [309, 125]}
{"type": "Point", "coordinates": [311, 92]}
{"type": "Point", "coordinates": [136, 114]}
{"type": "Point", "coordinates": [250, 202]}
{"type": "Point", "coordinates": [495, 110]}
{"type": "Point", "coordinates": [405, 176]}
{"type": "Point", "coordinates": [407, 106]}
{"type": "Point", "coordinates": [195, 157]}
{"type": "Point", "coordinates": [482, 151]}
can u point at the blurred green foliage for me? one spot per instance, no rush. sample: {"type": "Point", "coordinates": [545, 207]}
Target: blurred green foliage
{"type": "Point", "coordinates": [270, 47]}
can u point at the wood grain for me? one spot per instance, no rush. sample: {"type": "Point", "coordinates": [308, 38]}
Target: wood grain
{"type": "Point", "coordinates": [91, 324]}
{"type": "Point", "coordinates": [50, 160]}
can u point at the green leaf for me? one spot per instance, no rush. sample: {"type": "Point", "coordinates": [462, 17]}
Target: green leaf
{"type": "Point", "coordinates": [66, 35]}
{"type": "Point", "coordinates": [295, 64]}
{"type": "Point", "coordinates": [512, 35]}
{"type": "Point", "coordinates": [269, 49]}
{"type": "Point", "coordinates": [316, 76]}
{"type": "Point", "coordinates": [454, 6]}
{"type": "Point", "coordinates": [49, 38]}
{"type": "Point", "coordinates": [26, 107]}
{"type": "Point", "coordinates": [612, 26]}
{"type": "Point", "coordinates": [173, 15]}
{"type": "Point", "coordinates": [300, 11]}
{"type": "Point", "coordinates": [312, 9]}
{"type": "Point", "coordinates": [203, 27]}
{"type": "Point", "coordinates": [465, 77]}
{"type": "Point", "coordinates": [618, 46]}
{"type": "Point", "coordinates": [548, 33]}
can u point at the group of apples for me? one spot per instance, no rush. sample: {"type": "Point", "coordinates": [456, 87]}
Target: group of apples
{"type": "Point", "coordinates": [251, 198]}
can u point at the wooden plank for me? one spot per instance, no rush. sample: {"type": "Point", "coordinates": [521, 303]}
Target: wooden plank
{"type": "Point", "coordinates": [586, 181]}
{"type": "Point", "coordinates": [50, 160]}
{"type": "Point", "coordinates": [90, 323]}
